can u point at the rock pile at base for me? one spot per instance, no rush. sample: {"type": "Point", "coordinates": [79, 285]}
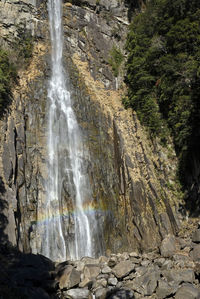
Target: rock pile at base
{"type": "Point", "coordinates": [172, 272]}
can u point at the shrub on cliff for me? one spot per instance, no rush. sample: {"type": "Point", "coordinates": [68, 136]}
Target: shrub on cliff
{"type": "Point", "coordinates": [163, 71]}
{"type": "Point", "coordinates": [11, 61]}
{"type": "Point", "coordinates": [8, 76]}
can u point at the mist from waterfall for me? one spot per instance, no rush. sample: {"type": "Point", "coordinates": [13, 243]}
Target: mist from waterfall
{"type": "Point", "coordinates": [72, 233]}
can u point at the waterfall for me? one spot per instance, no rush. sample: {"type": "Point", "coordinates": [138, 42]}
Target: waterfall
{"type": "Point", "coordinates": [73, 233]}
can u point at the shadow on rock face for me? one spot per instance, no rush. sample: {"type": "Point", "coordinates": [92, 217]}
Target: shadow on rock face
{"type": "Point", "coordinates": [25, 276]}
{"type": "Point", "coordinates": [133, 6]}
{"type": "Point", "coordinates": [120, 294]}
{"type": "Point", "coordinates": [3, 219]}
{"type": "Point", "coordinates": [22, 276]}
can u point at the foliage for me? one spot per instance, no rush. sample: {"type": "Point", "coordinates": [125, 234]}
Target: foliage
{"type": "Point", "coordinates": [8, 75]}
{"type": "Point", "coordinates": [24, 44]}
{"type": "Point", "coordinates": [163, 70]}
{"type": "Point", "coordinates": [115, 60]}
{"type": "Point", "coordinates": [10, 61]}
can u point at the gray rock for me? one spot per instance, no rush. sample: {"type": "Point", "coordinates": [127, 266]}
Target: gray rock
{"type": "Point", "coordinates": [124, 256]}
{"type": "Point", "coordinates": [100, 293]}
{"type": "Point", "coordinates": [102, 276]}
{"type": "Point", "coordinates": [168, 264]}
{"type": "Point", "coordinates": [145, 263]}
{"type": "Point", "coordinates": [120, 294]}
{"type": "Point", "coordinates": [112, 281]}
{"type": "Point", "coordinates": [123, 269]}
{"type": "Point", "coordinates": [196, 236]}
{"type": "Point", "coordinates": [184, 243]}
{"type": "Point", "coordinates": [69, 278]}
{"type": "Point", "coordinates": [135, 260]}
{"type": "Point", "coordinates": [187, 291]}
{"type": "Point", "coordinates": [85, 283]}
{"type": "Point", "coordinates": [91, 271]}
{"type": "Point", "coordinates": [99, 283]}
{"type": "Point", "coordinates": [164, 289]}
{"type": "Point", "coordinates": [195, 253]}
{"type": "Point", "coordinates": [141, 270]}
{"type": "Point", "coordinates": [159, 261]}
{"type": "Point", "coordinates": [145, 284]}
{"type": "Point", "coordinates": [103, 259]}
{"type": "Point", "coordinates": [112, 261]}
{"type": "Point", "coordinates": [181, 257]}
{"type": "Point", "coordinates": [134, 254]}
{"type": "Point", "coordinates": [106, 270]}
{"type": "Point", "coordinates": [77, 294]}
{"type": "Point", "coordinates": [168, 246]}
{"type": "Point", "coordinates": [90, 261]}
{"type": "Point", "coordinates": [179, 276]}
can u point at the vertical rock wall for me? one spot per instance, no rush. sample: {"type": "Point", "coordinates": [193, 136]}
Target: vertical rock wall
{"type": "Point", "coordinates": [23, 140]}
{"type": "Point", "coordinates": [129, 175]}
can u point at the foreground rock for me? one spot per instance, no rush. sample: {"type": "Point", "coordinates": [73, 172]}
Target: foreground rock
{"type": "Point", "coordinates": [168, 246]}
{"type": "Point", "coordinates": [171, 273]}
{"type": "Point", "coordinates": [118, 276]}
{"type": "Point", "coordinates": [68, 278]}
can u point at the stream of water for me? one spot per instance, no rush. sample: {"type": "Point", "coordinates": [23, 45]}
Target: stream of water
{"type": "Point", "coordinates": [65, 166]}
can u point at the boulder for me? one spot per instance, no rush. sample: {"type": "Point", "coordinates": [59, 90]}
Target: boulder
{"type": "Point", "coordinates": [165, 290]}
{"type": "Point", "coordinates": [134, 254]}
{"type": "Point", "coordinates": [168, 246]}
{"type": "Point", "coordinates": [112, 261]}
{"type": "Point", "coordinates": [79, 266]}
{"type": "Point", "coordinates": [145, 284]}
{"type": "Point", "coordinates": [103, 259]}
{"type": "Point", "coordinates": [77, 294]}
{"type": "Point", "coordinates": [178, 276]}
{"type": "Point", "coordinates": [120, 294]}
{"type": "Point", "coordinates": [168, 264]}
{"type": "Point", "coordinates": [112, 281]}
{"type": "Point", "coordinates": [89, 261]}
{"type": "Point", "coordinates": [196, 236]}
{"type": "Point", "coordinates": [91, 271]}
{"type": "Point", "coordinates": [86, 283]}
{"type": "Point", "coordinates": [141, 270]}
{"type": "Point", "coordinates": [99, 284]}
{"type": "Point", "coordinates": [159, 261]}
{"type": "Point", "coordinates": [106, 270]}
{"type": "Point", "coordinates": [124, 256]}
{"type": "Point", "coordinates": [69, 278]}
{"type": "Point", "coordinates": [123, 269]}
{"type": "Point", "coordinates": [101, 293]}
{"type": "Point", "coordinates": [195, 253]}
{"type": "Point", "coordinates": [187, 291]}
{"type": "Point", "coordinates": [145, 263]}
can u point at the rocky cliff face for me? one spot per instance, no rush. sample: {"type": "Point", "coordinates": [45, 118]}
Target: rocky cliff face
{"type": "Point", "coordinates": [133, 180]}
{"type": "Point", "coordinates": [130, 175]}
{"type": "Point", "coordinates": [23, 128]}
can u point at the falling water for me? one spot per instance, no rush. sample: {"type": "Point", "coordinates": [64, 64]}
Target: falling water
{"type": "Point", "coordinates": [66, 166]}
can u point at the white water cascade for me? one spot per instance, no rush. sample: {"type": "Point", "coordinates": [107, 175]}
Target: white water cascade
{"type": "Point", "coordinates": [66, 155]}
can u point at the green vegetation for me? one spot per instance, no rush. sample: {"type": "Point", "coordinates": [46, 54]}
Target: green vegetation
{"type": "Point", "coordinates": [115, 60]}
{"type": "Point", "coordinates": [10, 61]}
{"type": "Point", "coordinates": [23, 45]}
{"type": "Point", "coordinates": [8, 75]}
{"type": "Point", "coordinates": [163, 72]}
